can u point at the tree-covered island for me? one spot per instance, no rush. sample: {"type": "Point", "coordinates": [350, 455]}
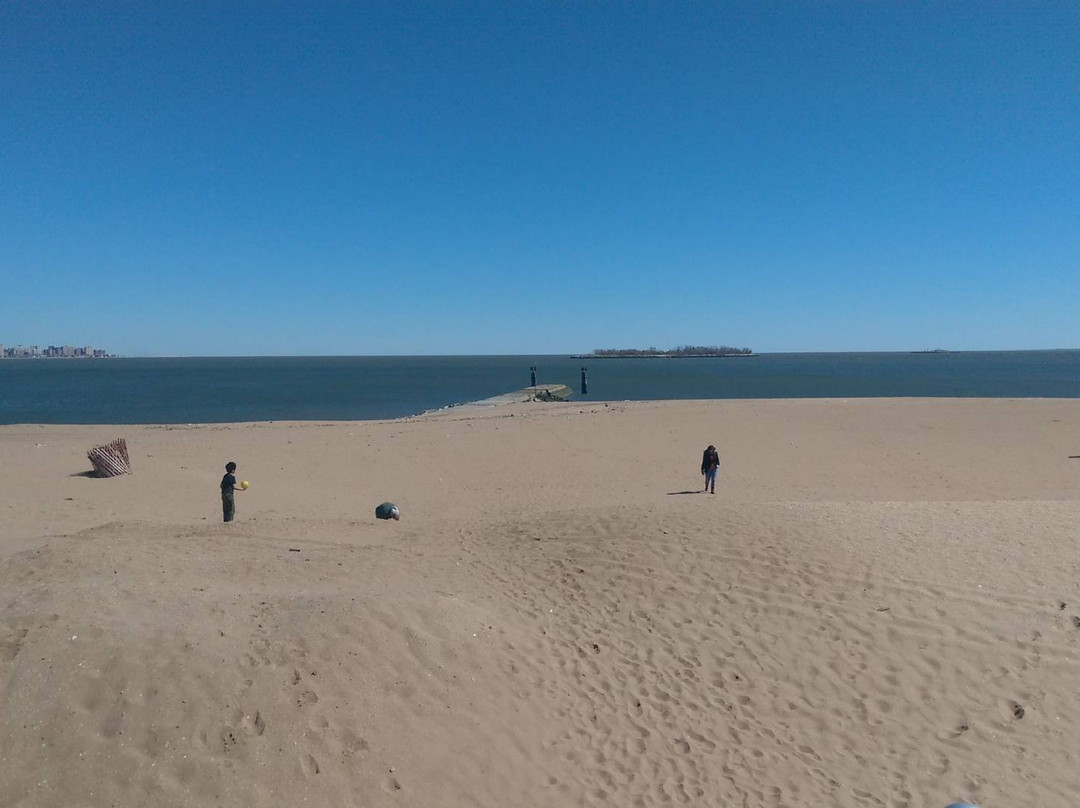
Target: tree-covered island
{"type": "Point", "coordinates": [683, 352]}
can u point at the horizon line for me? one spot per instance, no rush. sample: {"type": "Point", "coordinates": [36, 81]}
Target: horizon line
{"type": "Point", "coordinates": [567, 354]}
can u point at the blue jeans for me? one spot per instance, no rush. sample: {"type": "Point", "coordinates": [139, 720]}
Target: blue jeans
{"type": "Point", "coordinates": [710, 478]}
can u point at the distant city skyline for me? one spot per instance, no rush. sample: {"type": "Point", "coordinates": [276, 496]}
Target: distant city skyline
{"type": "Point", "coordinates": [52, 352]}
{"type": "Point", "coordinates": [418, 179]}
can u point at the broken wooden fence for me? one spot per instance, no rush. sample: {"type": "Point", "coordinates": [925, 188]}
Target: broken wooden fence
{"type": "Point", "coordinates": [110, 459]}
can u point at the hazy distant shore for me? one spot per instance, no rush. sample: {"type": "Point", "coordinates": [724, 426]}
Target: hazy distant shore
{"type": "Point", "coordinates": [661, 356]}
{"type": "Point", "coordinates": [682, 352]}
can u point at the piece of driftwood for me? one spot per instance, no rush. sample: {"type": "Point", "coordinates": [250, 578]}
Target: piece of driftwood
{"type": "Point", "coordinates": [110, 459]}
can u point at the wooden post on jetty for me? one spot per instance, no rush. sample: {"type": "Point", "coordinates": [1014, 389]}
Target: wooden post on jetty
{"type": "Point", "coordinates": [533, 371]}
{"type": "Point", "coordinates": [110, 459]}
{"type": "Point", "coordinates": [584, 382]}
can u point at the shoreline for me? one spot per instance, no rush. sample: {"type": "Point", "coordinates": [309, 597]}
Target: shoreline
{"type": "Point", "coordinates": [525, 396]}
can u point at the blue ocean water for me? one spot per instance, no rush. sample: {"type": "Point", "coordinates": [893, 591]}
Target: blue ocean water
{"type": "Point", "coordinates": [216, 390]}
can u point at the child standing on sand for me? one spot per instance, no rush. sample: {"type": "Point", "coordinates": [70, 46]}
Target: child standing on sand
{"type": "Point", "coordinates": [228, 488]}
{"type": "Point", "coordinates": [710, 467]}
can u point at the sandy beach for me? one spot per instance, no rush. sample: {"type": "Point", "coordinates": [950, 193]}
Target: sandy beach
{"type": "Point", "coordinates": [879, 607]}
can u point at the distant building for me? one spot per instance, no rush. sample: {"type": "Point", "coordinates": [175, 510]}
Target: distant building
{"type": "Point", "coordinates": [51, 351]}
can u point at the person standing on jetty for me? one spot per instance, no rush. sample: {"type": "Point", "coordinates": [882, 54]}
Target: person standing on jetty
{"type": "Point", "coordinates": [228, 489]}
{"type": "Point", "coordinates": [710, 467]}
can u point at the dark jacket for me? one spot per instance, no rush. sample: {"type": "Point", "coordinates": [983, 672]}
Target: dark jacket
{"type": "Point", "coordinates": [710, 460]}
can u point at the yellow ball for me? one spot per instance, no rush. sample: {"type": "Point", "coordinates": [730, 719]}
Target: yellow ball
{"type": "Point", "coordinates": [245, 484]}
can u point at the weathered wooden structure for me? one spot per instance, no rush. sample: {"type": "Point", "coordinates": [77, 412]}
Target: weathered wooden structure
{"type": "Point", "coordinates": [110, 459]}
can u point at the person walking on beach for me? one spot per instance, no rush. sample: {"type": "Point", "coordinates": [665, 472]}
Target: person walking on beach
{"type": "Point", "coordinates": [228, 489]}
{"type": "Point", "coordinates": [710, 467]}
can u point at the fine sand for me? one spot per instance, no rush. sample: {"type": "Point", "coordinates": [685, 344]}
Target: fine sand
{"type": "Point", "coordinates": [879, 607]}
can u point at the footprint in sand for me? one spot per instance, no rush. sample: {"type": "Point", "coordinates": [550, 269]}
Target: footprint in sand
{"type": "Point", "coordinates": [353, 743]}
{"type": "Point", "coordinates": [956, 732]}
{"type": "Point", "coordinates": [9, 648]}
{"type": "Point", "coordinates": [309, 765]}
{"type": "Point", "coordinates": [254, 724]}
{"type": "Point", "coordinates": [228, 740]}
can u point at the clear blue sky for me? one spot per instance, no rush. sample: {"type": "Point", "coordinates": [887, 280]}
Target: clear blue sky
{"type": "Point", "coordinates": [476, 178]}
